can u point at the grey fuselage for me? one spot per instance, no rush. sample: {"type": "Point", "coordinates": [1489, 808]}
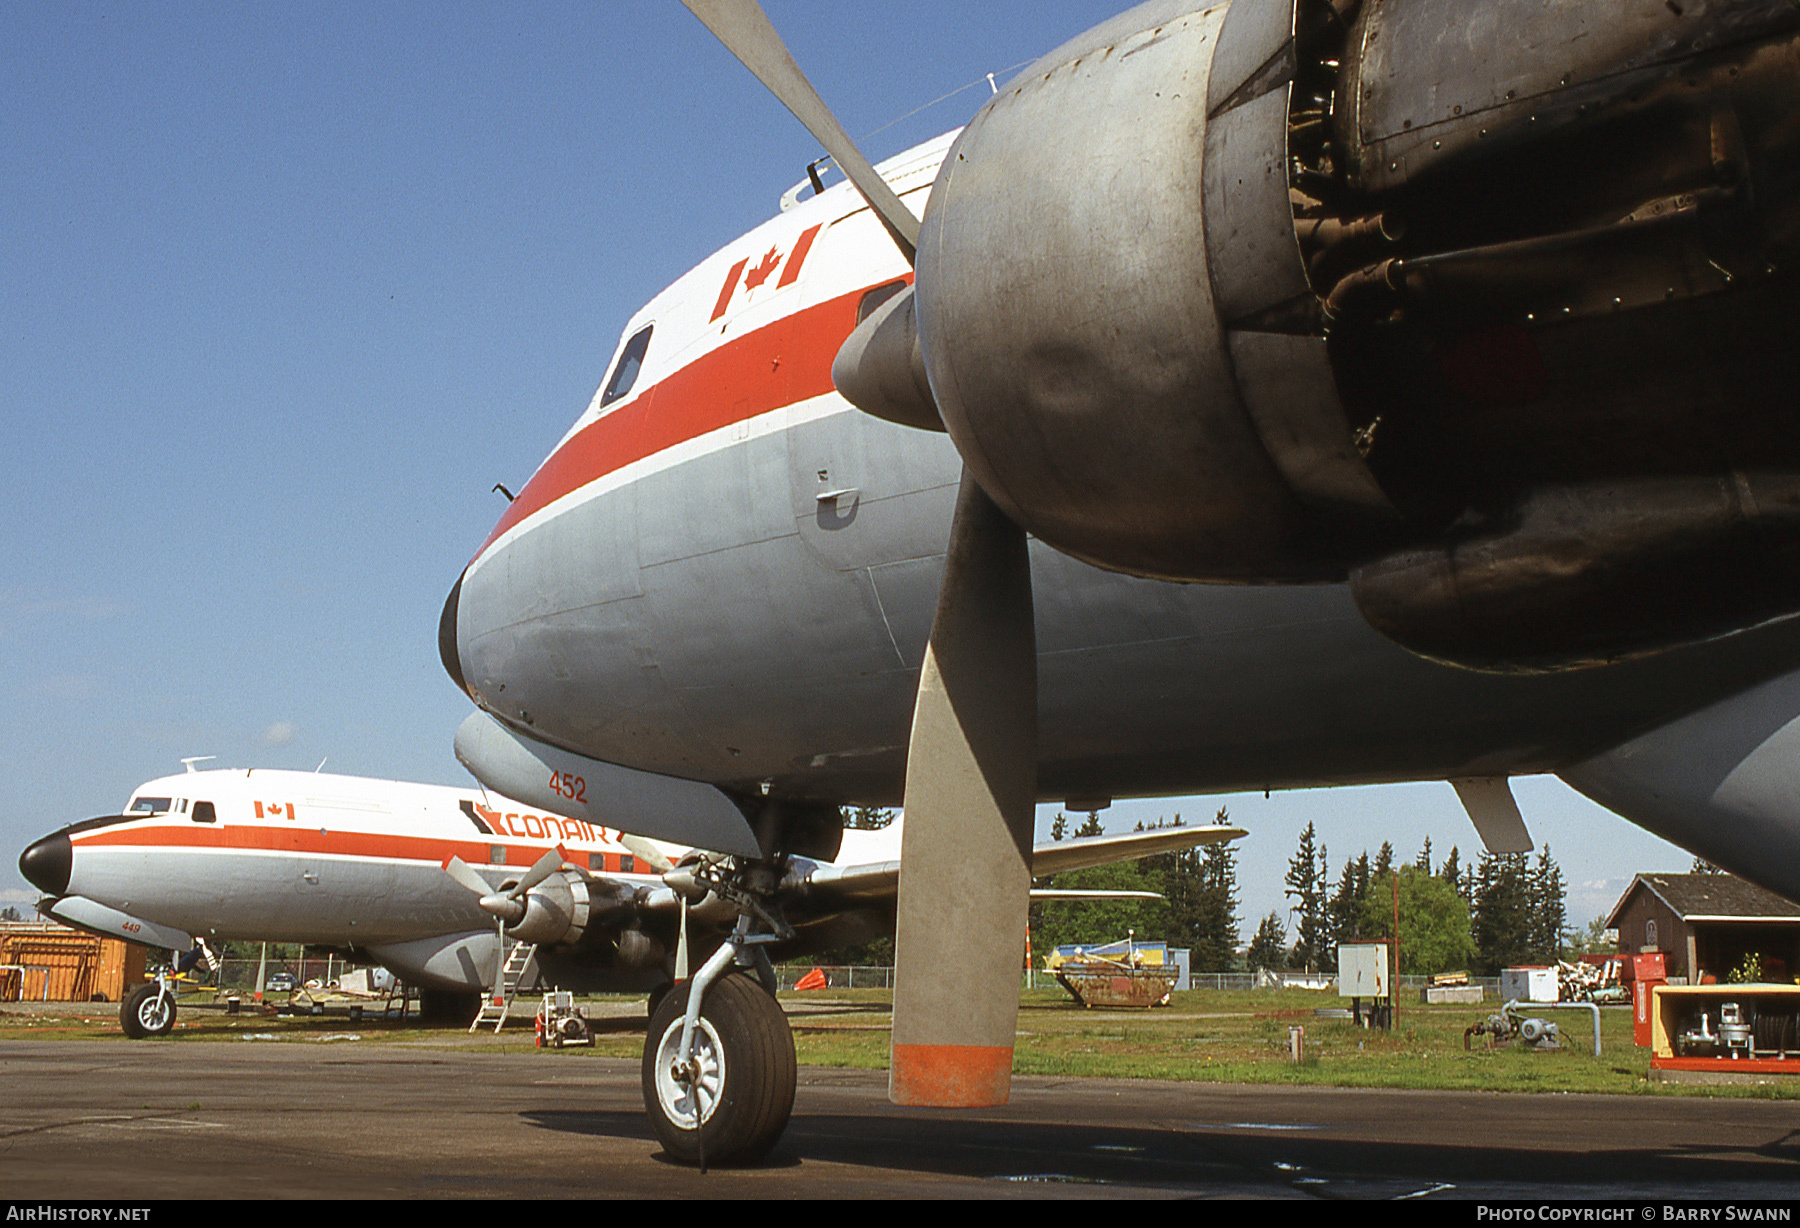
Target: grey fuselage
{"type": "Point", "coordinates": [786, 647]}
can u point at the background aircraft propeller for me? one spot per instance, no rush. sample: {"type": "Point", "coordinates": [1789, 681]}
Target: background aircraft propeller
{"type": "Point", "coordinates": [971, 779]}
{"type": "Point", "coordinates": [509, 905]}
{"type": "Point", "coordinates": [647, 853]}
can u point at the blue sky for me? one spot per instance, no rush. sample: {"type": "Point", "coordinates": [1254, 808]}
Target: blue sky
{"type": "Point", "coordinates": [287, 289]}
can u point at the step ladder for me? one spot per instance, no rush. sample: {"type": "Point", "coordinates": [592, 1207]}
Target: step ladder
{"type": "Point", "coordinates": [518, 970]}
{"type": "Point", "coordinates": [402, 1002]}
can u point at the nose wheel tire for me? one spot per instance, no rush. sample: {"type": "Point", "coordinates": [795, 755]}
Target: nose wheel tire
{"type": "Point", "coordinates": [733, 1104]}
{"type": "Point", "coordinates": [147, 1012]}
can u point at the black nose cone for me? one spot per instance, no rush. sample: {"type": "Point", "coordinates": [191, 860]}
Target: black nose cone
{"type": "Point", "coordinates": [447, 639]}
{"type": "Point", "coordinates": [45, 864]}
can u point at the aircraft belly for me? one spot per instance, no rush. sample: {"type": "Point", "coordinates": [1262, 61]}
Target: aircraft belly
{"type": "Point", "coordinates": [787, 650]}
{"type": "Point", "coordinates": [276, 897]}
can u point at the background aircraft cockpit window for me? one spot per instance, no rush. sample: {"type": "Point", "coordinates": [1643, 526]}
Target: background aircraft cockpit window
{"type": "Point", "coordinates": [203, 813]}
{"type": "Point", "coordinates": [149, 805]}
{"type": "Point", "coordinates": [875, 298]}
{"type": "Point", "coordinates": [625, 373]}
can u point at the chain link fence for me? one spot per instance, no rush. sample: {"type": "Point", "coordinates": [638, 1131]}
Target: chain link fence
{"type": "Point", "coordinates": [240, 974]}
{"type": "Point", "coordinates": [875, 977]}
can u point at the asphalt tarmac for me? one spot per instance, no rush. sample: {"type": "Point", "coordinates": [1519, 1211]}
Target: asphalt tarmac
{"type": "Point", "coordinates": [323, 1118]}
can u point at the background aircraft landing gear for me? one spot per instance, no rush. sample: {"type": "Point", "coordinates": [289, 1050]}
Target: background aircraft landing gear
{"type": "Point", "coordinates": [148, 1010]}
{"type": "Point", "coordinates": [745, 1068]}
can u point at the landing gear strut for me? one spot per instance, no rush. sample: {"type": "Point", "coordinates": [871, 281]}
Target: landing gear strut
{"type": "Point", "coordinates": [719, 1063]}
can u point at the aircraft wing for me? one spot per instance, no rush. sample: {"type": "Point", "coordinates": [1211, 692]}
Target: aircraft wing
{"type": "Point", "coordinates": [878, 880]}
{"type": "Point", "coordinates": [1057, 856]}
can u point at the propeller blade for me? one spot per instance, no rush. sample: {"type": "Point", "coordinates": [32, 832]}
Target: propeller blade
{"type": "Point", "coordinates": [647, 853]}
{"type": "Point", "coordinates": [541, 869]}
{"type": "Point", "coordinates": [681, 950]}
{"type": "Point", "coordinates": [460, 870]}
{"type": "Point", "coordinates": [745, 30]}
{"type": "Point", "coordinates": [971, 785]}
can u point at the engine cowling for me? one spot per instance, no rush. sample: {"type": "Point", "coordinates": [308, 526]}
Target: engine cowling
{"type": "Point", "coordinates": [1075, 342]}
{"type": "Point", "coordinates": [568, 907]}
{"type": "Point", "coordinates": [1304, 291]}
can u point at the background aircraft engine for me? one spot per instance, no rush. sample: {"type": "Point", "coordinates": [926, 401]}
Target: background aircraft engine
{"type": "Point", "coordinates": [1495, 326]}
{"type": "Point", "coordinates": [567, 906]}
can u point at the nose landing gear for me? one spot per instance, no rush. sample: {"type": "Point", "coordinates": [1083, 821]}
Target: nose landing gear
{"type": "Point", "coordinates": [149, 1010]}
{"type": "Point", "coordinates": [719, 1065]}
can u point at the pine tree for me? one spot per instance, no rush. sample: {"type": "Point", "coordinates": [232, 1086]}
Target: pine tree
{"type": "Point", "coordinates": [1219, 929]}
{"type": "Point", "coordinates": [1305, 884]}
{"type": "Point", "coordinates": [1452, 873]}
{"type": "Point", "coordinates": [1424, 861]}
{"type": "Point", "coordinates": [1547, 911]}
{"type": "Point", "coordinates": [1201, 887]}
{"type": "Point", "coordinates": [1345, 909]}
{"type": "Point", "coordinates": [1384, 860]}
{"type": "Point", "coordinates": [1060, 827]}
{"type": "Point", "coordinates": [1269, 948]}
{"type": "Point", "coordinates": [1091, 826]}
{"type": "Point", "coordinates": [1504, 915]}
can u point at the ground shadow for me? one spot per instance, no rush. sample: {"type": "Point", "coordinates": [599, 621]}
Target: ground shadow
{"type": "Point", "coordinates": [1198, 1157]}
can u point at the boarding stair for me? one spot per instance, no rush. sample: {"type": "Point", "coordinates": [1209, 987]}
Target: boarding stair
{"type": "Point", "coordinates": [519, 969]}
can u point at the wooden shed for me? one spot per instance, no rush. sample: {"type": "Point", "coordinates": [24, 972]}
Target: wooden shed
{"type": "Point", "coordinates": [43, 961]}
{"type": "Point", "coordinates": [1706, 924]}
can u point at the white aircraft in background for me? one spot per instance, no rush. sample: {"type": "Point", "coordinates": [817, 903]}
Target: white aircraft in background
{"type": "Point", "coordinates": [430, 881]}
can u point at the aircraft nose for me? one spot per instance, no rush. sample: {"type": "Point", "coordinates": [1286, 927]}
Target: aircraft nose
{"type": "Point", "coordinates": [447, 638]}
{"type": "Point", "coordinates": [45, 864]}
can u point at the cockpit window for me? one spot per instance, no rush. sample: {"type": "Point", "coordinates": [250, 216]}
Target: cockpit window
{"type": "Point", "coordinates": [149, 805]}
{"type": "Point", "coordinates": [625, 373]}
{"type": "Point", "coordinates": [204, 813]}
{"type": "Point", "coordinates": [874, 298]}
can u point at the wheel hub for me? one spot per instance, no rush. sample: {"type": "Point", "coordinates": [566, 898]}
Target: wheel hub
{"type": "Point", "coordinates": [699, 1085]}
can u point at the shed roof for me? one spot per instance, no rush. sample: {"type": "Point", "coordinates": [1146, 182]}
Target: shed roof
{"type": "Point", "coordinates": [1710, 897]}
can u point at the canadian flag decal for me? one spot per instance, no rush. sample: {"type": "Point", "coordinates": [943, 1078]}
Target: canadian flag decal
{"type": "Point", "coordinates": [759, 274]}
{"type": "Point", "coordinates": [275, 810]}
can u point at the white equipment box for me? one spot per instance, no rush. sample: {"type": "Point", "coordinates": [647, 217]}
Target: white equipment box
{"type": "Point", "coordinates": [1528, 985]}
{"type": "Point", "coordinates": [1363, 970]}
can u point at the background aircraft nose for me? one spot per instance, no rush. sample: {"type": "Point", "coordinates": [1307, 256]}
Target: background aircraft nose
{"type": "Point", "coordinates": [45, 864]}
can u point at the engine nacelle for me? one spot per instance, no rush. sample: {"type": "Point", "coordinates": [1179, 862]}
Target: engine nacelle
{"type": "Point", "coordinates": [1094, 244]}
{"type": "Point", "coordinates": [1292, 288]}
{"type": "Point", "coordinates": [569, 906]}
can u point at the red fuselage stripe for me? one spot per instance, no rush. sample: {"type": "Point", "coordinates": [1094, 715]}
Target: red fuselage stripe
{"type": "Point", "coordinates": [776, 365]}
{"type": "Point", "coordinates": [312, 840]}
